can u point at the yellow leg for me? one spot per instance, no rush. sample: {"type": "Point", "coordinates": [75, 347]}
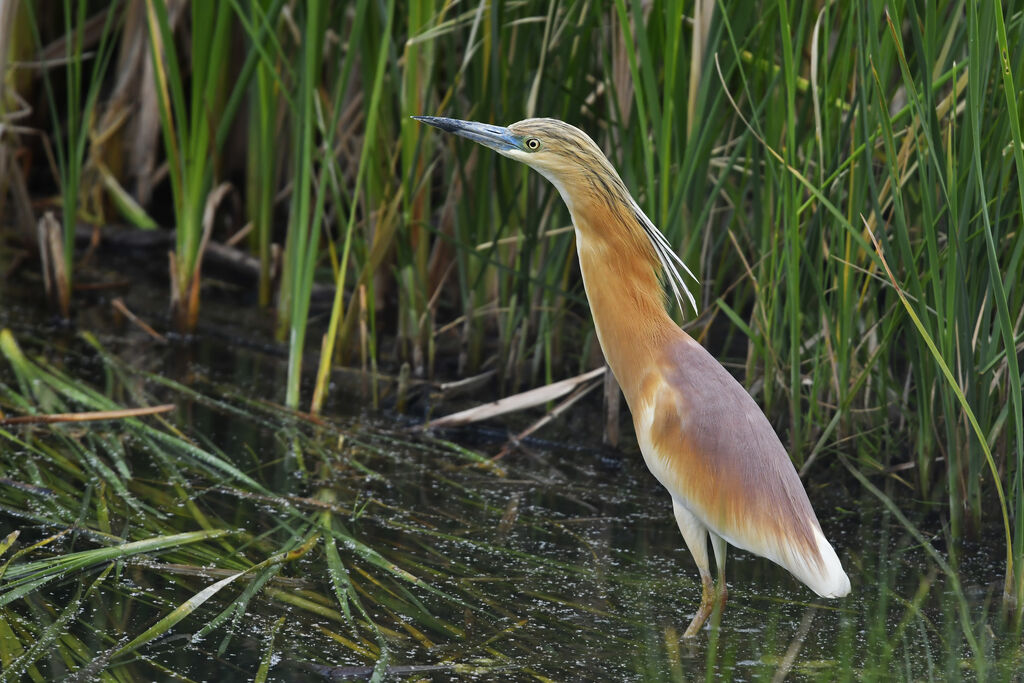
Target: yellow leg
{"type": "Point", "coordinates": [719, 546]}
{"type": "Point", "coordinates": [707, 604]}
{"type": "Point", "coordinates": [696, 536]}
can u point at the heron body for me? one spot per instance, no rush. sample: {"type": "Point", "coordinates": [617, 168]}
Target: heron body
{"type": "Point", "coordinates": [701, 434]}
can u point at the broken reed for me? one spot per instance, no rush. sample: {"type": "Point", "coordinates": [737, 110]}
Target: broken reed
{"type": "Point", "coordinates": [772, 147]}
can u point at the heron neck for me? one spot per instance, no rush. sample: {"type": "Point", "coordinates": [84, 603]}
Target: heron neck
{"type": "Point", "coordinates": [626, 297]}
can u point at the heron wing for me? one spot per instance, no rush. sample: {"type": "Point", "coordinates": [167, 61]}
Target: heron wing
{"type": "Point", "coordinates": [710, 444]}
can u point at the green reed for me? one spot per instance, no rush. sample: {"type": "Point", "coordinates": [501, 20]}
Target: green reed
{"type": "Point", "coordinates": [302, 246]}
{"type": "Point", "coordinates": [931, 219]}
{"type": "Point", "coordinates": [342, 318]}
{"type": "Point", "coordinates": [194, 128]}
{"type": "Point", "coordinates": [261, 164]}
{"type": "Point", "coordinates": [1000, 288]}
{"type": "Point", "coordinates": [71, 136]}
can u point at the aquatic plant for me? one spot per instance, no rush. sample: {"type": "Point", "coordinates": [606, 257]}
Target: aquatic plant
{"type": "Point", "coordinates": [847, 182]}
{"type": "Point", "coordinates": [156, 526]}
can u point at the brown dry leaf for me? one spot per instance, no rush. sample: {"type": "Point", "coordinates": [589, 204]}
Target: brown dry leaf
{"type": "Point", "coordinates": [51, 250]}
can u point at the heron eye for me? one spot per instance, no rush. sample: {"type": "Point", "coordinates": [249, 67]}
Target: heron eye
{"type": "Point", "coordinates": [533, 144]}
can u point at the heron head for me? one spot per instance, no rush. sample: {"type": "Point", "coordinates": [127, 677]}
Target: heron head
{"type": "Point", "coordinates": [590, 187]}
{"type": "Point", "coordinates": [558, 151]}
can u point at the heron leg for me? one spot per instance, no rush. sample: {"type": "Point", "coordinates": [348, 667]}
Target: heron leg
{"type": "Point", "coordinates": [696, 536]}
{"type": "Point", "coordinates": [719, 546]}
{"type": "Point", "coordinates": [707, 606]}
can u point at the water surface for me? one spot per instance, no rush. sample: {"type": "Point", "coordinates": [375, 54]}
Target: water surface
{"type": "Point", "coordinates": [559, 562]}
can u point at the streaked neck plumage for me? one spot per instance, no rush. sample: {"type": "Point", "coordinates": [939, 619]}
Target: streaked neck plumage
{"type": "Point", "coordinates": [620, 274]}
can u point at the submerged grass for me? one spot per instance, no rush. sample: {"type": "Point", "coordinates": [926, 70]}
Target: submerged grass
{"type": "Point", "coordinates": [139, 549]}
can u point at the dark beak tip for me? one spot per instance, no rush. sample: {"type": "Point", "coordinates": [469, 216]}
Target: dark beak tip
{"type": "Point", "coordinates": [445, 124]}
{"type": "Point", "coordinates": [494, 137]}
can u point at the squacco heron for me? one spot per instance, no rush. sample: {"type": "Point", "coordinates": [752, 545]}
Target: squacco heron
{"type": "Point", "coordinates": [701, 434]}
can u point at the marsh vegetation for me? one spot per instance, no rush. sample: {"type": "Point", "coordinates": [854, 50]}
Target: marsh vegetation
{"type": "Point", "coordinates": [224, 208]}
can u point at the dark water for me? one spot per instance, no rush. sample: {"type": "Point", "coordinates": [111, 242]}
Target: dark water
{"type": "Point", "coordinates": [562, 562]}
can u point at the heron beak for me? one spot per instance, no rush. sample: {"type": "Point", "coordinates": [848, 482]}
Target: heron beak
{"type": "Point", "coordinates": [499, 139]}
